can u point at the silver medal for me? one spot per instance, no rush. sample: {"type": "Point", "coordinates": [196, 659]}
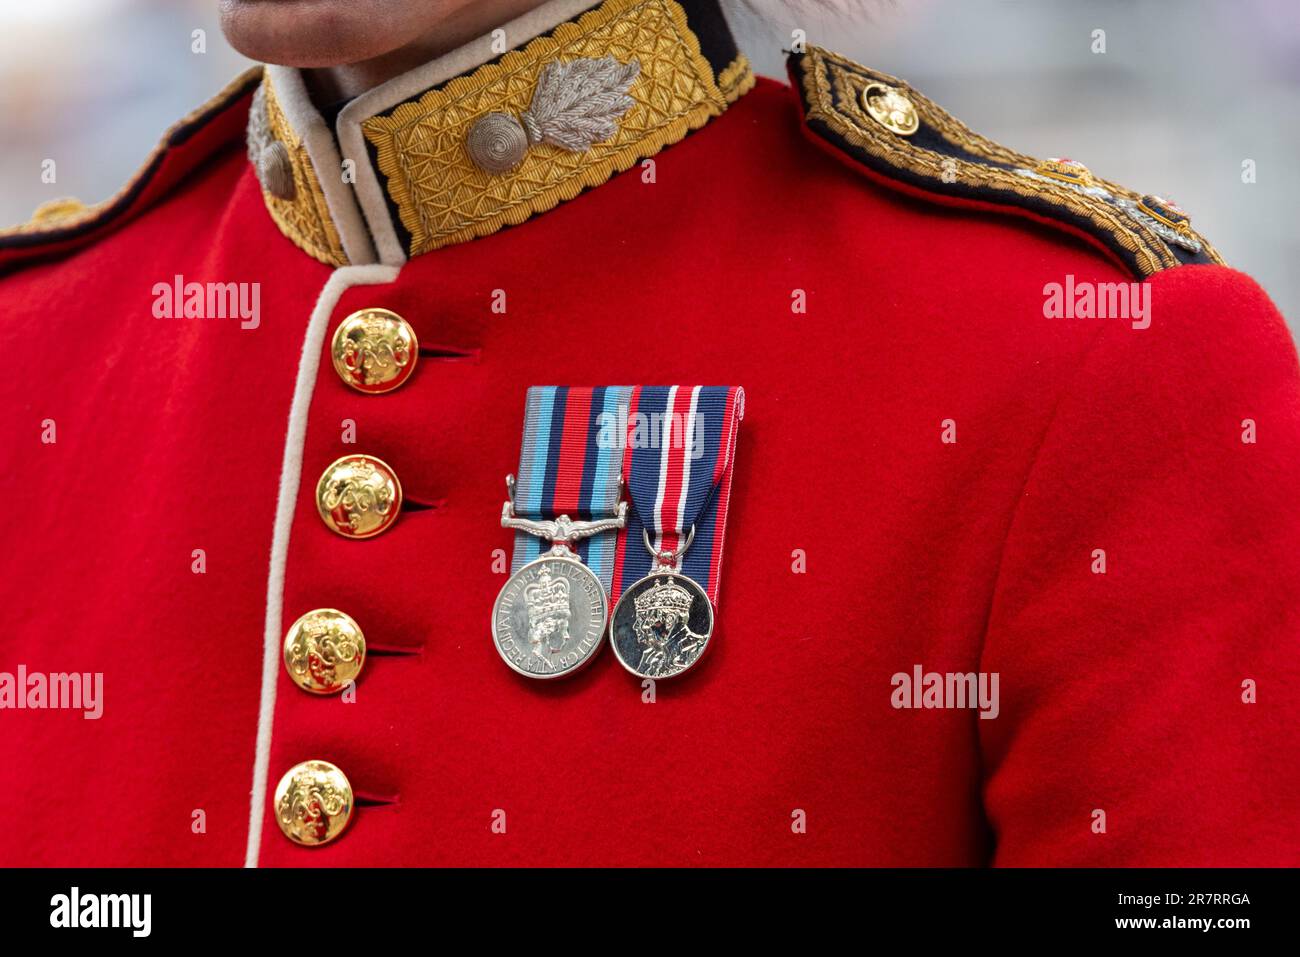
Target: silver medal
{"type": "Point", "coordinates": [549, 619]}
{"type": "Point", "coordinates": [661, 626]}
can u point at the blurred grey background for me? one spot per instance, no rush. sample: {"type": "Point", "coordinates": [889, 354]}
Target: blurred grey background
{"type": "Point", "coordinates": [1185, 92]}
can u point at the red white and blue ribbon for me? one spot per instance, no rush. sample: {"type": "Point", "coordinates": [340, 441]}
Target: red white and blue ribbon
{"type": "Point", "coordinates": [570, 464]}
{"type": "Point", "coordinates": [681, 443]}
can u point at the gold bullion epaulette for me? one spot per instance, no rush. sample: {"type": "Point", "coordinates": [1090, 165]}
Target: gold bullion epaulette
{"type": "Point", "coordinates": [893, 132]}
{"type": "Point", "coordinates": [63, 224]}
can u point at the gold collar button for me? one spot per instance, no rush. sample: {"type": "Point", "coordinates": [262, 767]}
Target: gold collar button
{"type": "Point", "coordinates": [324, 650]}
{"type": "Point", "coordinates": [313, 803]}
{"type": "Point", "coordinates": [891, 109]}
{"type": "Point", "coordinates": [374, 351]}
{"type": "Point", "coordinates": [358, 496]}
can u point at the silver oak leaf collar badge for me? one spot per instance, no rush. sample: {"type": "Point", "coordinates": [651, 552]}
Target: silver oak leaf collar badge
{"type": "Point", "coordinates": [577, 103]}
{"type": "Point", "coordinates": [270, 157]}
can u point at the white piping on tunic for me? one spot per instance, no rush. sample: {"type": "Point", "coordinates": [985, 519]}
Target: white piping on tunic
{"type": "Point", "coordinates": [290, 478]}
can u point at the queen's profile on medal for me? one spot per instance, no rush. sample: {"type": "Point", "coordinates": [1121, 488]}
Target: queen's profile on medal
{"type": "Point", "coordinates": [547, 602]}
{"type": "Point", "coordinates": [549, 619]}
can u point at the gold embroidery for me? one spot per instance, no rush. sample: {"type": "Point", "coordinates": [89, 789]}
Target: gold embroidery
{"type": "Point", "coordinates": [443, 198]}
{"type": "Point", "coordinates": [58, 210]}
{"type": "Point", "coordinates": [736, 79]}
{"type": "Point", "coordinates": [304, 217]}
{"type": "Point", "coordinates": [957, 133]}
{"type": "Point", "coordinates": [833, 86]}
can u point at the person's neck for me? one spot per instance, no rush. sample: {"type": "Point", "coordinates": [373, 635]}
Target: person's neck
{"type": "Point", "coordinates": [473, 21]}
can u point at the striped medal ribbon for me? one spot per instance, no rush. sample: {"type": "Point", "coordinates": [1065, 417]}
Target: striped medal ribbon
{"type": "Point", "coordinates": [550, 618]}
{"type": "Point", "coordinates": [680, 444]}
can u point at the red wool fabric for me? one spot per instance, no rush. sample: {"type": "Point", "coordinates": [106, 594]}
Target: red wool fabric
{"type": "Point", "coordinates": [1119, 692]}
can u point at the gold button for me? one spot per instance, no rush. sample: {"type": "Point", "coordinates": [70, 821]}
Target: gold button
{"type": "Point", "coordinates": [313, 803]}
{"type": "Point", "coordinates": [374, 350]}
{"type": "Point", "coordinates": [358, 496]}
{"type": "Point", "coordinates": [891, 109]}
{"type": "Point", "coordinates": [324, 650]}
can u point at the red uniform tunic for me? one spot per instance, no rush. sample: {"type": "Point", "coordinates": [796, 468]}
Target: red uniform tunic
{"type": "Point", "coordinates": [927, 470]}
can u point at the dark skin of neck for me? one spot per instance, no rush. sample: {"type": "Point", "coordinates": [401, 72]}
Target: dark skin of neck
{"type": "Point", "coordinates": [332, 84]}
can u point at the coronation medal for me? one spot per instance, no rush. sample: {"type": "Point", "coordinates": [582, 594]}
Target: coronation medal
{"type": "Point", "coordinates": [663, 623]}
{"type": "Point", "coordinates": [678, 474]}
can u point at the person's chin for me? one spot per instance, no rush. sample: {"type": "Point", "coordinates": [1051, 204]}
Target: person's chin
{"type": "Point", "coordinates": [319, 33]}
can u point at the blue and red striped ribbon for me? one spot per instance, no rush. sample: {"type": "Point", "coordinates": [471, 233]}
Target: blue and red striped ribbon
{"type": "Point", "coordinates": [570, 464]}
{"type": "Point", "coordinates": [674, 447]}
{"type": "Point", "coordinates": [681, 443]}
